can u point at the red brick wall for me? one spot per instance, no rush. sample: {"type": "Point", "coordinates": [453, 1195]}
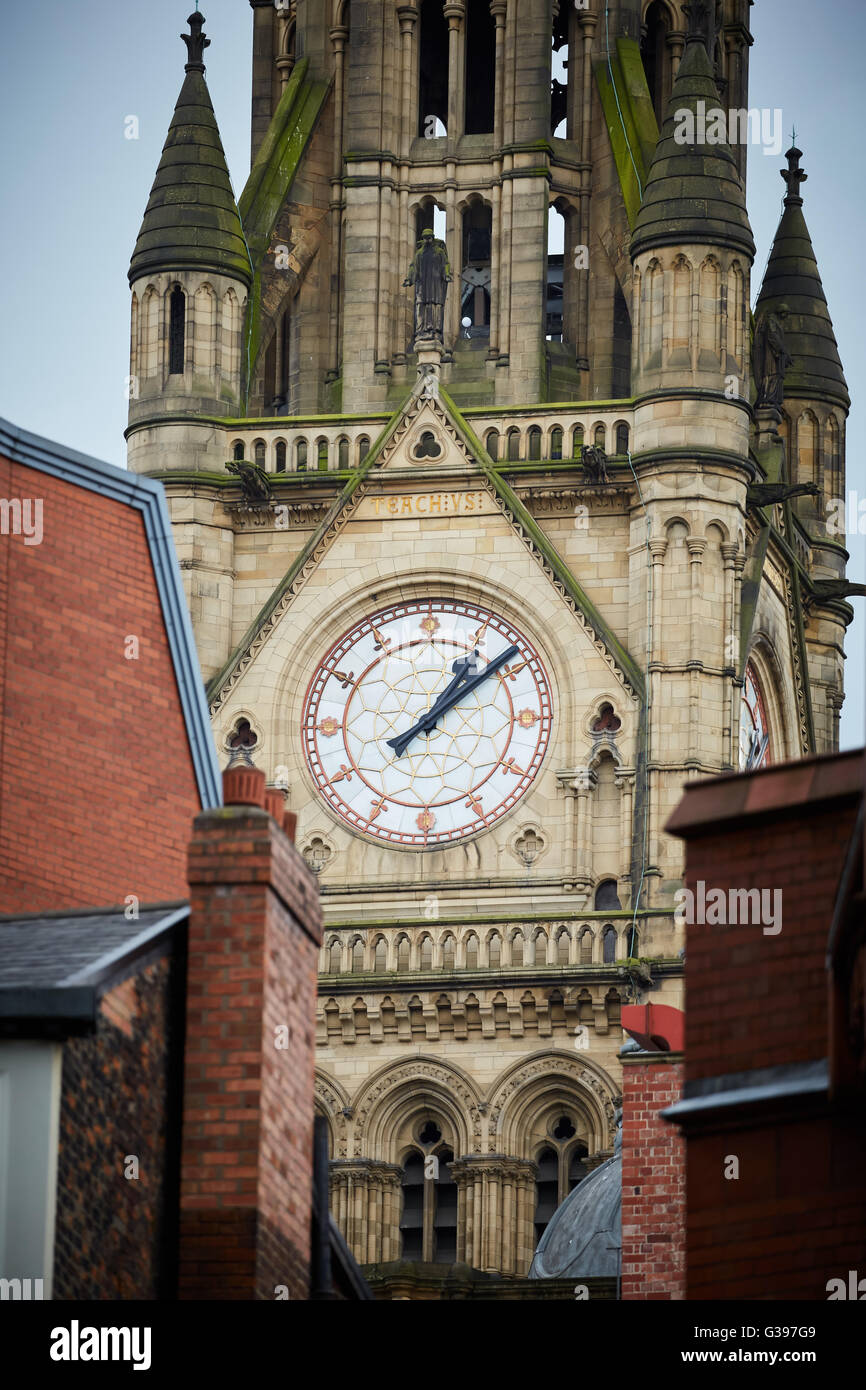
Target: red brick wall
{"type": "Point", "coordinates": [755, 1000]}
{"type": "Point", "coordinates": [114, 1235]}
{"type": "Point", "coordinates": [653, 1181]}
{"type": "Point", "coordinates": [89, 813]}
{"type": "Point", "coordinates": [246, 1183]}
{"type": "Point", "coordinates": [794, 1218]}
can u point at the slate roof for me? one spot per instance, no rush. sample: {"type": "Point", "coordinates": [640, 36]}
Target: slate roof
{"type": "Point", "coordinates": [192, 221]}
{"type": "Point", "coordinates": [55, 967]}
{"type": "Point", "coordinates": [694, 192]}
{"type": "Point", "coordinates": [792, 279]}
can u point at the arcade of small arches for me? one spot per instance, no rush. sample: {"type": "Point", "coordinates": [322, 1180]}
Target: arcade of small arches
{"type": "Point", "coordinates": [331, 449]}
{"type": "Point", "coordinates": [427, 1166]}
{"type": "Point", "coordinates": [186, 329]}
{"type": "Point", "coordinates": [351, 952]}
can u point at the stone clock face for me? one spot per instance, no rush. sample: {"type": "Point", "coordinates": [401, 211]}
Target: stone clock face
{"type": "Point", "coordinates": [427, 722]}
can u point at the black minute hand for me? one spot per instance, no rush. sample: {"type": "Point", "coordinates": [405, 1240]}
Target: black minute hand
{"type": "Point", "coordinates": [447, 700]}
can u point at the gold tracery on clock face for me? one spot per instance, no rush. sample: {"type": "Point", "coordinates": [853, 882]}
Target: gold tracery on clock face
{"type": "Point", "coordinates": [459, 774]}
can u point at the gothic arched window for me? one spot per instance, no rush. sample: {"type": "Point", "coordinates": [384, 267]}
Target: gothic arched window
{"type": "Point", "coordinates": [560, 1165]}
{"type": "Point", "coordinates": [608, 942]}
{"type": "Point", "coordinates": [281, 456]}
{"type": "Point", "coordinates": [480, 67]}
{"type": "Point", "coordinates": [176, 331]}
{"type": "Point", "coordinates": [428, 1224]}
{"type": "Point", "coordinates": [754, 729]}
{"type": "Point", "coordinates": [656, 57]}
{"type": "Point", "coordinates": [433, 70]}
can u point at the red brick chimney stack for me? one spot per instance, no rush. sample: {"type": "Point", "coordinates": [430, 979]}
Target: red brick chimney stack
{"type": "Point", "coordinates": [254, 938]}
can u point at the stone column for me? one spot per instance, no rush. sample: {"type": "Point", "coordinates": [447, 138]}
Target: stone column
{"type": "Point", "coordinates": [454, 12]}
{"type": "Point", "coordinates": [498, 10]}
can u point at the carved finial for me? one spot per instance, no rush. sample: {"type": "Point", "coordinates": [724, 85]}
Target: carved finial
{"type": "Point", "coordinates": [196, 43]}
{"type": "Point", "coordinates": [697, 13]}
{"type": "Point", "coordinates": [793, 177]}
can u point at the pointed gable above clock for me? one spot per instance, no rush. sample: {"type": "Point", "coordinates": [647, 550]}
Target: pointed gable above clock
{"type": "Point", "coordinates": [452, 512]}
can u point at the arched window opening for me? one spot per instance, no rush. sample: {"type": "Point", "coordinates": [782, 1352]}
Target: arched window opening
{"type": "Point", "coordinates": [281, 456]}
{"type": "Point", "coordinates": [586, 947]}
{"type": "Point", "coordinates": [445, 1212]}
{"type": "Point", "coordinates": [652, 314]}
{"type": "Point", "coordinates": [513, 445]}
{"type": "Point", "coordinates": [563, 945]}
{"type": "Point", "coordinates": [517, 948]}
{"type": "Point", "coordinates": [546, 1189]}
{"type": "Point", "coordinates": [494, 951]}
{"type": "Point", "coordinates": [480, 67]}
{"type": "Point", "coordinates": [403, 953]}
{"type": "Point", "coordinates": [559, 73]}
{"type": "Point", "coordinates": [491, 444]}
{"type": "Point", "coordinates": [380, 955]}
{"type": "Point", "coordinates": [259, 452]}
{"type": "Point", "coordinates": [608, 942]}
{"type": "Point", "coordinates": [472, 951]}
{"type": "Point", "coordinates": [576, 441]}
{"type": "Point", "coordinates": [807, 447]}
{"type": "Point", "coordinates": [150, 332]}
{"type": "Point", "coordinates": [755, 748]}
{"type": "Point", "coordinates": [710, 319]}
{"type": "Point", "coordinates": [656, 58]}
{"type": "Point", "coordinates": [430, 215]}
{"type": "Point", "coordinates": [343, 454]}
{"type": "Point", "coordinates": [599, 437]}
{"type": "Point", "coordinates": [477, 234]}
{"type": "Point", "coordinates": [607, 897]}
{"type": "Point", "coordinates": [363, 448]}
{"type": "Point", "coordinates": [230, 353]}
{"type": "Point", "coordinates": [427, 953]}
{"type": "Point", "coordinates": [433, 70]}
{"type": "Point", "coordinates": [555, 293]}
{"type": "Point", "coordinates": [556, 442]}
{"type": "Point", "coordinates": [176, 331]}
{"type": "Point", "coordinates": [357, 956]}
{"type": "Point", "coordinates": [301, 455]}
{"type": "Point", "coordinates": [534, 443]}
{"type": "Point", "coordinates": [238, 449]}
{"type": "Point", "coordinates": [334, 960]}
{"type": "Point", "coordinates": [577, 1168]}
{"type": "Point", "coordinates": [449, 952]}
{"type": "Point", "coordinates": [412, 1219]}
{"type": "Point", "coordinates": [322, 455]}
{"type": "Point", "coordinates": [622, 438]}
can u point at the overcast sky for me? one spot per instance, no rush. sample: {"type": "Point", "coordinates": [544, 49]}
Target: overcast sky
{"type": "Point", "coordinates": [74, 191]}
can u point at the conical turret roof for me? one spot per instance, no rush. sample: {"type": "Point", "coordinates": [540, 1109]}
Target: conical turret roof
{"type": "Point", "coordinates": [694, 192]}
{"type": "Point", "coordinates": [792, 283]}
{"type": "Point", "coordinates": [191, 221]}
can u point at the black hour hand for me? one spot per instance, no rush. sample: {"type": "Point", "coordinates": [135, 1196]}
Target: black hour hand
{"type": "Point", "coordinates": [463, 684]}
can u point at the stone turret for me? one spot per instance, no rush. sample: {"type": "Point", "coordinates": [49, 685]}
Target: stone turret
{"type": "Point", "coordinates": [815, 400]}
{"type": "Point", "coordinates": [190, 276]}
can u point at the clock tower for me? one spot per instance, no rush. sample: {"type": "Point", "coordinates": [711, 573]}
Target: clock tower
{"type": "Point", "coordinates": [492, 538]}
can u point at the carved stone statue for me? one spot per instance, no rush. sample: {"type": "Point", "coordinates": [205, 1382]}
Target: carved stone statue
{"type": "Point", "coordinates": [771, 357]}
{"type": "Point", "coordinates": [253, 479]}
{"type": "Point", "coordinates": [594, 461]}
{"type": "Point", "coordinates": [430, 273]}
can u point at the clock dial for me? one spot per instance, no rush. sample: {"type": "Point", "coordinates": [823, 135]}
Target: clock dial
{"type": "Point", "coordinates": [427, 722]}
